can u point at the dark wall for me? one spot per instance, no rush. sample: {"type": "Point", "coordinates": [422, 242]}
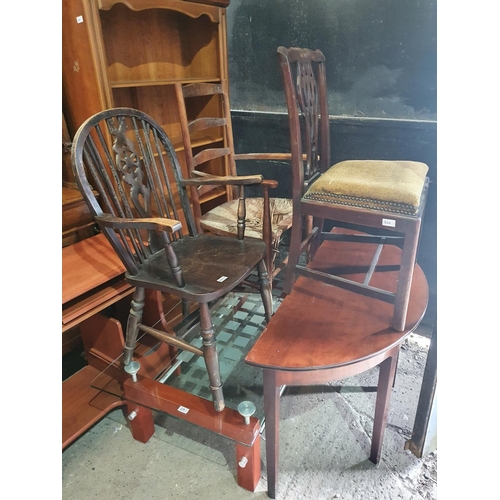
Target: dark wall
{"type": "Point", "coordinates": [381, 75]}
{"type": "Point", "coordinates": [381, 54]}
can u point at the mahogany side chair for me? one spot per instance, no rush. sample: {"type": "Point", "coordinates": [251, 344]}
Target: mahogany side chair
{"type": "Point", "coordinates": [131, 179]}
{"type": "Point", "coordinates": [384, 200]}
{"type": "Point", "coordinates": [221, 220]}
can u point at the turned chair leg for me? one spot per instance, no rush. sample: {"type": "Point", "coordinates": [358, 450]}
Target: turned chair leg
{"type": "Point", "coordinates": [267, 232]}
{"type": "Point", "coordinates": [265, 290]}
{"type": "Point", "coordinates": [185, 308]}
{"type": "Point", "coordinates": [211, 357]}
{"type": "Point", "coordinates": [134, 318]}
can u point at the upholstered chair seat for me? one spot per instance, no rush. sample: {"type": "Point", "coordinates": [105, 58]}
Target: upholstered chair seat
{"type": "Point", "coordinates": [388, 186]}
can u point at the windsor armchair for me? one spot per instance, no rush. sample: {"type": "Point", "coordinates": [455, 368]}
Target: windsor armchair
{"type": "Point", "coordinates": [383, 199]}
{"type": "Point", "coordinates": [130, 177]}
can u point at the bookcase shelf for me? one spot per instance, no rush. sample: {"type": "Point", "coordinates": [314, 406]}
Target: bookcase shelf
{"type": "Point", "coordinates": [132, 52]}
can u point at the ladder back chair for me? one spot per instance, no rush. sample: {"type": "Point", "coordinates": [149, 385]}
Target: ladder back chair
{"type": "Point", "coordinates": [130, 177]}
{"type": "Point", "coordinates": [266, 218]}
{"type": "Point", "coordinates": [382, 199]}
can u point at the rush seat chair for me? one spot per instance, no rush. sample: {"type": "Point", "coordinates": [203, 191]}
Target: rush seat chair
{"type": "Point", "coordinates": [382, 199]}
{"type": "Point", "coordinates": [206, 138]}
{"type": "Point", "coordinates": [130, 177]}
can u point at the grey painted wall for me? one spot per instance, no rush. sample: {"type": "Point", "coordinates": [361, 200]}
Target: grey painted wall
{"type": "Point", "coordinates": [381, 54]}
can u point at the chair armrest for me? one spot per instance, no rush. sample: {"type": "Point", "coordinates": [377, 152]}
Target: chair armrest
{"type": "Point", "coordinates": [266, 183]}
{"type": "Point", "coordinates": [263, 156]}
{"type": "Point", "coordinates": [269, 183]}
{"type": "Point", "coordinates": [216, 180]}
{"type": "Point", "coordinates": [154, 223]}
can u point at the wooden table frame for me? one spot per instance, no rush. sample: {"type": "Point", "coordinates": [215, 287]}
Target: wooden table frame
{"type": "Point", "coordinates": [321, 333]}
{"type": "Point", "coordinates": [275, 379]}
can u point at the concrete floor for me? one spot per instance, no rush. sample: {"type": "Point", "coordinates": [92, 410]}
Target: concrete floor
{"type": "Point", "coordinates": [324, 447]}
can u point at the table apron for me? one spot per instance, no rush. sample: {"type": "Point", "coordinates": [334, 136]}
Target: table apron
{"type": "Point", "coordinates": [312, 377]}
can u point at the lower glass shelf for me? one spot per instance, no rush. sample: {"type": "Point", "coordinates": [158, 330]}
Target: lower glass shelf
{"type": "Point", "coordinates": [238, 321]}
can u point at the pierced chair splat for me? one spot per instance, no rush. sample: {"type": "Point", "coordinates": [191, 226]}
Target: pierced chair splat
{"type": "Point", "coordinates": [382, 199]}
{"type": "Point", "coordinates": [130, 177]}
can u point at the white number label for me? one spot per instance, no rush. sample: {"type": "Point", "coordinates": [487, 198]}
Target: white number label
{"type": "Point", "coordinates": [183, 409]}
{"type": "Point", "coordinates": [389, 222]}
{"type": "Point", "coordinates": [222, 278]}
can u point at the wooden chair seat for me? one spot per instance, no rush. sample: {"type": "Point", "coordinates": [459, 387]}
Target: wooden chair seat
{"type": "Point", "coordinates": [390, 186]}
{"type": "Point", "coordinates": [221, 220]}
{"type": "Point", "coordinates": [208, 275]}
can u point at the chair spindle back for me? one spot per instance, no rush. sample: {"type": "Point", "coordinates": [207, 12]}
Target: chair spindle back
{"type": "Point", "coordinates": [126, 166]}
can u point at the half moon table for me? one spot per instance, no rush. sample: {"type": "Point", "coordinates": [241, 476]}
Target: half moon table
{"type": "Point", "coordinates": [321, 333]}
